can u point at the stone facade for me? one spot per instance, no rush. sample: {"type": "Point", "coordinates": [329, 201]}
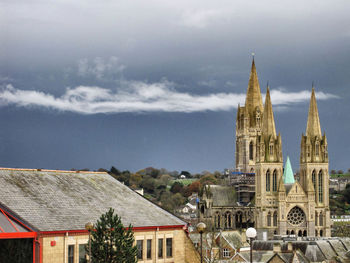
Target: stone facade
{"type": "Point", "coordinates": [282, 206]}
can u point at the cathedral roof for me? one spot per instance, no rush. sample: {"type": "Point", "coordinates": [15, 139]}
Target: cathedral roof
{"type": "Point", "coordinates": [253, 98]}
{"type": "Point", "coordinates": [313, 127]}
{"type": "Point", "coordinates": [288, 176]}
{"type": "Point", "coordinates": [223, 195]}
{"type": "Point", "coordinates": [268, 123]}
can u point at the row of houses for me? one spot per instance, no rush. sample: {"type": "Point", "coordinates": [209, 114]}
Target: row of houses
{"type": "Point", "coordinates": [43, 215]}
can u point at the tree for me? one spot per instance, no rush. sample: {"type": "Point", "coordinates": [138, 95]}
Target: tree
{"type": "Point", "coordinates": [111, 242]}
{"type": "Point", "coordinates": [176, 187]}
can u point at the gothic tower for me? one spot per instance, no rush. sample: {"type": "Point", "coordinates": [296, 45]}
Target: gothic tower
{"type": "Point", "coordinates": [314, 177]}
{"type": "Point", "coordinates": [268, 172]}
{"type": "Point", "coordinates": [248, 125]}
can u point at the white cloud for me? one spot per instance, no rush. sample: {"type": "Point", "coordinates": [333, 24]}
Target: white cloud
{"type": "Point", "coordinates": [141, 97]}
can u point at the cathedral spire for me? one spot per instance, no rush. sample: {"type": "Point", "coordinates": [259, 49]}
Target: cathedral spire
{"type": "Point", "coordinates": [288, 176]}
{"type": "Point", "coordinates": [313, 127]}
{"type": "Point", "coordinates": [253, 98]}
{"type": "Point", "coordinates": [268, 123]}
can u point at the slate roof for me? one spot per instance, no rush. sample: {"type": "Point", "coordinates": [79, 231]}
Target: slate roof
{"type": "Point", "coordinates": [223, 195]}
{"type": "Point", "coordinates": [66, 200]}
{"type": "Point", "coordinates": [318, 250]}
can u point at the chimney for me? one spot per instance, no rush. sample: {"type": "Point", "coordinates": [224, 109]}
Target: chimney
{"type": "Point", "coordinates": [276, 247]}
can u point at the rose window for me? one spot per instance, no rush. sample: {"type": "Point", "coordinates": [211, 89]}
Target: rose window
{"type": "Point", "coordinates": [296, 216]}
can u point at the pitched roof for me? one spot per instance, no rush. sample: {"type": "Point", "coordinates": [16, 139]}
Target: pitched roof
{"type": "Point", "coordinates": [66, 200]}
{"type": "Point", "coordinates": [223, 195]}
{"type": "Point", "coordinates": [288, 176]}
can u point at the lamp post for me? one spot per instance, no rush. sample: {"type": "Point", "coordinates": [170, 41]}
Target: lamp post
{"type": "Point", "coordinates": [89, 227]}
{"type": "Point", "coordinates": [251, 234]}
{"type": "Point", "coordinates": [201, 228]}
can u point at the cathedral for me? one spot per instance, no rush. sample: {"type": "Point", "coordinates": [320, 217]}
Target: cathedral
{"type": "Point", "coordinates": [282, 205]}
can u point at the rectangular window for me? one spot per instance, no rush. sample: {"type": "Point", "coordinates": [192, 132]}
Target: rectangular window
{"type": "Point", "coordinates": [139, 245]}
{"type": "Point", "coordinates": [225, 253]}
{"type": "Point", "coordinates": [82, 253]}
{"type": "Point", "coordinates": [160, 248]}
{"type": "Point", "coordinates": [169, 247]}
{"type": "Point", "coordinates": [149, 248]}
{"type": "Point", "coordinates": [70, 253]}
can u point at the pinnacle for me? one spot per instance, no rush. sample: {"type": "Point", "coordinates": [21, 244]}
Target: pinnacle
{"type": "Point", "coordinates": [313, 127]}
{"type": "Point", "coordinates": [268, 124]}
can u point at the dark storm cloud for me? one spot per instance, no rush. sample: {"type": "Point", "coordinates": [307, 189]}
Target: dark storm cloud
{"type": "Point", "coordinates": [91, 56]}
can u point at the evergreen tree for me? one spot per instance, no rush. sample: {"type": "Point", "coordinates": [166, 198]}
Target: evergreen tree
{"type": "Point", "coordinates": [111, 242]}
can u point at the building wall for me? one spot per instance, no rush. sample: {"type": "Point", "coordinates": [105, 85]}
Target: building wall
{"type": "Point", "coordinates": [58, 253]}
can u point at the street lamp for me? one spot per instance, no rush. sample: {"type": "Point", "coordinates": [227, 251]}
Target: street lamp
{"type": "Point", "coordinates": [251, 234]}
{"type": "Point", "coordinates": [201, 228]}
{"type": "Point", "coordinates": [89, 227]}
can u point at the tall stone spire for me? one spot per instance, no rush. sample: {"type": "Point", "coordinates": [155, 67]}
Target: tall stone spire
{"type": "Point", "coordinates": [313, 127]}
{"type": "Point", "coordinates": [253, 98]}
{"type": "Point", "coordinates": [268, 121]}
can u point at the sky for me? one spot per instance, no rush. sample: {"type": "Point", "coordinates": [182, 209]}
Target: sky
{"type": "Point", "coordinates": [133, 84]}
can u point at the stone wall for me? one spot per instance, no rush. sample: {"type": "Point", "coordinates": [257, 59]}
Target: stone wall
{"type": "Point", "coordinates": [55, 247]}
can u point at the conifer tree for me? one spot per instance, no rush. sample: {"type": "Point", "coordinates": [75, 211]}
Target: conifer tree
{"type": "Point", "coordinates": [111, 242]}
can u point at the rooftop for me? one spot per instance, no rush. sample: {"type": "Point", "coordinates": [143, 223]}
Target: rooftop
{"type": "Point", "coordinates": [53, 200]}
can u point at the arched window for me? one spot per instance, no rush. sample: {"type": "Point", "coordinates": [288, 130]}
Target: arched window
{"type": "Point", "coordinates": [269, 219]}
{"type": "Point", "coordinates": [305, 233]}
{"type": "Point", "coordinates": [320, 187]}
{"type": "Point", "coordinates": [275, 218]}
{"type": "Point", "coordinates": [202, 209]}
{"type": "Point", "coordinates": [258, 120]}
{"type": "Point", "coordinates": [320, 221]}
{"type": "Point", "coordinates": [268, 182]}
{"type": "Point", "coordinates": [251, 151]}
{"type": "Point", "coordinates": [321, 233]}
{"type": "Point", "coordinates": [274, 181]}
{"type": "Point", "coordinates": [271, 149]}
{"type": "Point", "coordinates": [287, 232]}
{"type": "Point", "coordinates": [242, 121]}
{"type": "Point", "coordinates": [217, 220]}
{"type": "Point", "coordinates": [300, 233]}
{"type": "Point", "coordinates": [228, 220]}
{"type": "Point", "coordinates": [316, 233]}
{"type": "Point", "coordinates": [292, 232]}
{"type": "Point", "coordinates": [317, 149]}
{"type": "Point", "coordinates": [239, 219]}
{"type": "Point", "coordinates": [316, 218]}
{"type": "Point", "coordinates": [314, 179]}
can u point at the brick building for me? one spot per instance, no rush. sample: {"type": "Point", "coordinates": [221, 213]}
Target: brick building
{"type": "Point", "coordinates": [43, 215]}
